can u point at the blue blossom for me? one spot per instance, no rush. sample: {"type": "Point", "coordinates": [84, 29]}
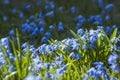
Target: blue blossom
{"type": "Point", "coordinates": [5, 18]}
{"type": "Point", "coordinates": [51, 27]}
{"type": "Point", "coordinates": [115, 40]}
{"type": "Point", "coordinates": [48, 66]}
{"type": "Point", "coordinates": [109, 7]}
{"type": "Point", "coordinates": [113, 48]}
{"type": "Point", "coordinates": [108, 30]}
{"type": "Point", "coordinates": [101, 4]}
{"type": "Point", "coordinates": [80, 32]}
{"type": "Point", "coordinates": [78, 56]}
{"type": "Point", "coordinates": [59, 58]}
{"type": "Point", "coordinates": [99, 66]}
{"type": "Point", "coordinates": [72, 55]}
{"type": "Point", "coordinates": [28, 7]}
{"type": "Point", "coordinates": [42, 30]}
{"type": "Point", "coordinates": [60, 26]}
{"type": "Point", "coordinates": [107, 17]}
{"type": "Point", "coordinates": [61, 70]}
{"type": "Point", "coordinates": [60, 8]}
{"type": "Point", "coordinates": [52, 4]}
{"type": "Point", "coordinates": [25, 45]}
{"type": "Point", "coordinates": [49, 75]}
{"type": "Point", "coordinates": [14, 10]}
{"type": "Point", "coordinates": [34, 34]}
{"type": "Point", "coordinates": [50, 14]}
{"type": "Point", "coordinates": [11, 68]}
{"type": "Point", "coordinates": [92, 72]}
{"type": "Point", "coordinates": [47, 7]}
{"type": "Point", "coordinates": [81, 19]}
{"type": "Point", "coordinates": [50, 48]}
{"type": "Point", "coordinates": [32, 17]}
{"type": "Point", "coordinates": [86, 77]}
{"type": "Point", "coordinates": [114, 78]}
{"type": "Point", "coordinates": [93, 38]}
{"type": "Point", "coordinates": [41, 23]}
{"type": "Point", "coordinates": [42, 49]}
{"type": "Point", "coordinates": [112, 59]}
{"type": "Point", "coordinates": [30, 77]}
{"type": "Point", "coordinates": [115, 68]}
{"type": "Point", "coordinates": [78, 25]}
{"type": "Point", "coordinates": [4, 41]}
{"type": "Point", "coordinates": [64, 47]}
{"type": "Point", "coordinates": [21, 15]}
{"type": "Point", "coordinates": [41, 15]}
{"type": "Point", "coordinates": [73, 9]}
{"type": "Point", "coordinates": [107, 77]}
{"type": "Point", "coordinates": [48, 35]}
{"type": "Point", "coordinates": [12, 58]}
{"type": "Point", "coordinates": [75, 46]}
{"type": "Point", "coordinates": [6, 2]}
{"type": "Point", "coordinates": [85, 47]}
{"type": "Point", "coordinates": [44, 39]}
{"type": "Point", "coordinates": [12, 32]}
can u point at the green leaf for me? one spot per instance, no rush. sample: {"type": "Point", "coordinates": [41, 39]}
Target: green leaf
{"type": "Point", "coordinates": [10, 75]}
{"type": "Point", "coordinates": [114, 33]}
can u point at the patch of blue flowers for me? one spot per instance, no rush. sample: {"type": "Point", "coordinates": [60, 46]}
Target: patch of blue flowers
{"type": "Point", "coordinates": [86, 54]}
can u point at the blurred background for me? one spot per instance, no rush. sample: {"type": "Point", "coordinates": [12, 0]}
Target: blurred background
{"type": "Point", "coordinates": [14, 13]}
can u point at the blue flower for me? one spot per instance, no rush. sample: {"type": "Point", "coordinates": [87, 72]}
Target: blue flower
{"type": "Point", "coordinates": [73, 9]}
{"type": "Point", "coordinates": [11, 68]}
{"type": "Point", "coordinates": [34, 34]}
{"type": "Point", "coordinates": [47, 7]}
{"type": "Point", "coordinates": [60, 8]}
{"type": "Point", "coordinates": [80, 32]}
{"type": "Point", "coordinates": [72, 55]}
{"type": "Point", "coordinates": [107, 17]}
{"type": "Point", "coordinates": [61, 70]}
{"type": "Point", "coordinates": [51, 27]}
{"type": "Point", "coordinates": [85, 77]}
{"type": "Point", "coordinates": [115, 68]}
{"type": "Point", "coordinates": [78, 25]}
{"type": "Point", "coordinates": [44, 39]}
{"type": "Point", "coordinates": [30, 77]}
{"type": "Point", "coordinates": [42, 30]}
{"type": "Point", "coordinates": [12, 32]}
{"type": "Point", "coordinates": [81, 19]}
{"type": "Point", "coordinates": [114, 78]}
{"type": "Point", "coordinates": [85, 47]}
{"type": "Point", "coordinates": [5, 18]}
{"type": "Point", "coordinates": [109, 7]}
{"type": "Point", "coordinates": [41, 15]}
{"type": "Point", "coordinates": [21, 15]}
{"type": "Point", "coordinates": [28, 7]}
{"type": "Point", "coordinates": [49, 75]}
{"type": "Point", "coordinates": [41, 23]}
{"type": "Point", "coordinates": [107, 76]}
{"type": "Point", "coordinates": [50, 14]}
{"type": "Point", "coordinates": [100, 4]}
{"type": "Point", "coordinates": [48, 35]}
{"type": "Point", "coordinates": [93, 38]}
{"type": "Point", "coordinates": [92, 72]}
{"type": "Point", "coordinates": [64, 47]}
{"type": "Point", "coordinates": [112, 59]}
{"type": "Point", "coordinates": [99, 66]}
{"type": "Point", "coordinates": [14, 10]}
{"type": "Point", "coordinates": [6, 2]}
{"type": "Point", "coordinates": [78, 56]}
{"type": "Point", "coordinates": [32, 17]}
{"type": "Point", "coordinates": [52, 4]}
{"type": "Point", "coordinates": [60, 26]}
